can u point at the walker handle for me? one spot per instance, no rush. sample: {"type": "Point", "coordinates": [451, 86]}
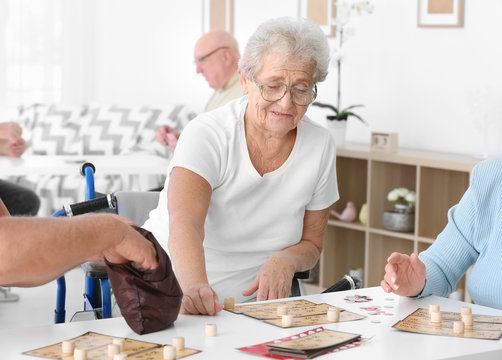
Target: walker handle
{"type": "Point", "coordinates": [105, 202]}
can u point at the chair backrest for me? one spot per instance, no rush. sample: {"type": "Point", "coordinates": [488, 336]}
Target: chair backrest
{"type": "Point", "coordinates": [136, 205]}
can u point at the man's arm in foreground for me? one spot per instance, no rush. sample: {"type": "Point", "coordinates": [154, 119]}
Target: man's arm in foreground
{"type": "Point", "coordinates": [34, 251]}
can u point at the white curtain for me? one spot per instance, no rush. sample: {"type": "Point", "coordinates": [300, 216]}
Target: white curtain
{"type": "Point", "coordinates": [46, 51]}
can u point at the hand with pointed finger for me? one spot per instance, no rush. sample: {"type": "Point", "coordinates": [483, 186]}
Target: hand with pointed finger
{"type": "Point", "coordinates": [200, 299]}
{"type": "Point", "coordinates": [404, 275]}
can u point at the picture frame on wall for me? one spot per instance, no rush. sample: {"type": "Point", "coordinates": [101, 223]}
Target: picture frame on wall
{"type": "Point", "coordinates": [218, 14]}
{"type": "Point", "coordinates": [441, 13]}
{"type": "Point", "coordinates": [321, 12]}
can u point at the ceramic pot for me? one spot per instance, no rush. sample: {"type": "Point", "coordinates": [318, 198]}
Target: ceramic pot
{"type": "Point", "coordinates": [403, 208]}
{"type": "Point", "coordinates": [338, 128]}
{"type": "Point", "coordinates": [398, 221]}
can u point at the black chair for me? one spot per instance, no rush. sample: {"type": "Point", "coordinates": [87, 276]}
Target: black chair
{"type": "Point", "coordinates": [295, 285]}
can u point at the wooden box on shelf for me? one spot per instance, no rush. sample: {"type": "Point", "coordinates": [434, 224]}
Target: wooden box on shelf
{"type": "Point", "coordinates": [366, 177]}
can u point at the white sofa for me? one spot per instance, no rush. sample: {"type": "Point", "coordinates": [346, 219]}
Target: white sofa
{"type": "Point", "coordinates": [97, 130]}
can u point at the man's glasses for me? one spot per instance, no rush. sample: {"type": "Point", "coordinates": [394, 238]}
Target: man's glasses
{"type": "Point", "coordinates": [202, 58]}
{"type": "Point", "coordinates": [275, 92]}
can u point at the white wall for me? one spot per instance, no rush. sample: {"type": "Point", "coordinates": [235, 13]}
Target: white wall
{"type": "Point", "coordinates": [439, 88]}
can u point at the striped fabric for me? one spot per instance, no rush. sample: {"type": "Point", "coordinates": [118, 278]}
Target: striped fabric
{"type": "Point", "coordinates": [95, 129]}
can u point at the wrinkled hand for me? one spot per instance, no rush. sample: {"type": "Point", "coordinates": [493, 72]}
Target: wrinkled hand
{"type": "Point", "coordinates": [200, 299]}
{"type": "Point", "coordinates": [10, 131]}
{"type": "Point", "coordinates": [133, 248]}
{"type": "Point", "coordinates": [273, 281]}
{"type": "Point", "coordinates": [404, 275]}
{"type": "Point", "coordinates": [17, 148]}
{"type": "Point", "coordinates": [166, 135]}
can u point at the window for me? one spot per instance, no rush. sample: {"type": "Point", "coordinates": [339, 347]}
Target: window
{"type": "Point", "coordinates": [33, 51]}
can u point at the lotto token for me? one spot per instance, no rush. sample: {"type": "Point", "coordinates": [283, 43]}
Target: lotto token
{"type": "Point", "coordinates": [358, 298]}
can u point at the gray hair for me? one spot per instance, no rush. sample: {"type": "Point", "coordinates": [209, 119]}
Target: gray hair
{"type": "Point", "coordinates": [299, 39]}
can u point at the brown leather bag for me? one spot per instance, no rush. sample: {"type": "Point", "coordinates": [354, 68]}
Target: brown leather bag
{"type": "Point", "coordinates": [149, 300]}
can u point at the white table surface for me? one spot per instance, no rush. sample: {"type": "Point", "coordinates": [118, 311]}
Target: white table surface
{"type": "Point", "coordinates": [68, 165]}
{"type": "Point", "coordinates": [238, 330]}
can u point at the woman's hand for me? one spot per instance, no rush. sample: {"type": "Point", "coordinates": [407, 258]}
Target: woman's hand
{"type": "Point", "coordinates": [200, 299]}
{"type": "Point", "coordinates": [404, 275]}
{"type": "Point", "coordinates": [273, 281]}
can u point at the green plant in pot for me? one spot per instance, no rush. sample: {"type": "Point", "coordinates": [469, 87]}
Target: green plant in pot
{"type": "Point", "coordinates": [340, 115]}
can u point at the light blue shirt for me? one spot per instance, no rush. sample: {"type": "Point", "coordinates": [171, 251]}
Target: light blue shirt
{"type": "Point", "coordinates": [473, 236]}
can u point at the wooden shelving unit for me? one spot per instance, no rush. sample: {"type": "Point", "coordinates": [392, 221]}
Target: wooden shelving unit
{"type": "Point", "coordinates": [366, 176]}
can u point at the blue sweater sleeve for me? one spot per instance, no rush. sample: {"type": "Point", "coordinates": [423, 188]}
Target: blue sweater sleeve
{"type": "Point", "coordinates": [449, 257]}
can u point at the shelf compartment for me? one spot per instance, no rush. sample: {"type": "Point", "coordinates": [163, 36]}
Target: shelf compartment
{"type": "Point", "coordinates": [379, 249]}
{"type": "Point", "coordinates": [352, 177]}
{"type": "Point", "coordinates": [343, 250]}
{"type": "Point", "coordinates": [440, 189]}
{"type": "Point", "coordinates": [385, 177]}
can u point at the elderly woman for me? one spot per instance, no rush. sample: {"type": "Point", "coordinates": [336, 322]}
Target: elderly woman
{"type": "Point", "coordinates": [246, 201]}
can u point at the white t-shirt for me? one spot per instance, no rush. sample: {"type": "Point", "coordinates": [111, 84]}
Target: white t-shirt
{"type": "Point", "coordinates": [250, 217]}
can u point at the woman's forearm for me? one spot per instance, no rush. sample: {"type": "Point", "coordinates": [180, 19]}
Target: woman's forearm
{"type": "Point", "coordinates": [187, 255]}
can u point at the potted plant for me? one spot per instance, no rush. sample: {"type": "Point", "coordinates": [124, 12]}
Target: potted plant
{"type": "Point", "coordinates": [403, 217]}
{"type": "Point", "coordinates": [345, 10]}
{"type": "Point", "coordinates": [340, 115]}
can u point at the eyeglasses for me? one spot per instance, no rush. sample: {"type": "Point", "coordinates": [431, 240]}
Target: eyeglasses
{"type": "Point", "coordinates": [275, 92]}
{"type": "Point", "coordinates": [202, 58]}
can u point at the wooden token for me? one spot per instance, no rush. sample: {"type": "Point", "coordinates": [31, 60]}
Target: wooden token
{"type": "Point", "coordinates": [120, 342]}
{"type": "Point", "coordinates": [436, 317]}
{"type": "Point", "coordinates": [467, 319]}
{"type": "Point", "coordinates": [169, 352]}
{"type": "Point", "coordinates": [113, 349]}
{"type": "Point", "coordinates": [432, 308]}
{"type": "Point", "coordinates": [287, 320]}
{"type": "Point", "coordinates": [120, 357]}
{"type": "Point", "coordinates": [229, 303]}
{"type": "Point", "coordinates": [211, 330]}
{"type": "Point", "coordinates": [179, 343]}
{"type": "Point", "coordinates": [282, 310]}
{"type": "Point", "coordinates": [80, 354]}
{"type": "Point", "coordinates": [333, 314]}
{"type": "Point", "coordinates": [68, 346]}
{"type": "Point", "coordinates": [458, 327]}
{"type": "Point", "coordinates": [466, 310]}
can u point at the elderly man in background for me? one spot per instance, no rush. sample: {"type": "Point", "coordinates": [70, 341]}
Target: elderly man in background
{"type": "Point", "coordinates": [216, 56]}
{"type": "Point", "coordinates": [17, 199]}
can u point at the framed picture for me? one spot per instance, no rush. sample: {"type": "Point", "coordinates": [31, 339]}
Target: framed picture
{"type": "Point", "coordinates": [440, 13]}
{"type": "Point", "coordinates": [218, 14]}
{"type": "Point", "coordinates": [320, 12]}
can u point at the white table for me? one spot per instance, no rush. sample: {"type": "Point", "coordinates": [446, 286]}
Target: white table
{"type": "Point", "coordinates": [68, 165]}
{"type": "Point", "coordinates": [238, 330]}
